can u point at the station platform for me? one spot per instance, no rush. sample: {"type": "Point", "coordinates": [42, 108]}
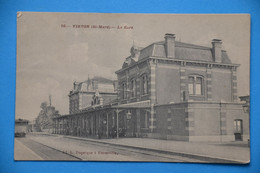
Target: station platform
{"type": "Point", "coordinates": [228, 152]}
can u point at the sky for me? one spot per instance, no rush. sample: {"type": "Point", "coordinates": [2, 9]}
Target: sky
{"type": "Point", "coordinates": [50, 57]}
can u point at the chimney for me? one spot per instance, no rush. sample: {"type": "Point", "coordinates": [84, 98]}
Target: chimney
{"type": "Point", "coordinates": [216, 50]}
{"type": "Point", "coordinates": [170, 45]}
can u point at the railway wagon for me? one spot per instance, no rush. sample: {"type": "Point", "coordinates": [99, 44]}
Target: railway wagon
{"type": "Point", "coordinates": [21, 126]}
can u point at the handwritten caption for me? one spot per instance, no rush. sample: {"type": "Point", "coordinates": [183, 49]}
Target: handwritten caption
{"type": "Point", "coordinates": [128, 27]}
{"type": "Point", "coordinates": [90, 152]}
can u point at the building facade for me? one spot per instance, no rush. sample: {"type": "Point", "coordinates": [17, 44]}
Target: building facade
{"type": "Point", "coordinates": [172, 90]}
{"type": "Point", "coordinates": [104, 91]}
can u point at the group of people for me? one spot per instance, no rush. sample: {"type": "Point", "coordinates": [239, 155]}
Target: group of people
{"type": "Point", "coordinates": [113, 132]}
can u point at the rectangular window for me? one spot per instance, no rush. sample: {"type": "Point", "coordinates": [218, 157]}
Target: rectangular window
{"type": "Point", "coordinates": [133, 88]}
{"type": "Point", "coordinates": [122, 94]}
{"type": "Point", "coordinates": [238, 126]}
{"type": "Point", "coordinates": [142, 121]}
{"type": "Point", "coordinates": [146, 120]}
{"type": "Point", "coordinates": [195, 86]}
{"type": "Point", "coordinates": [125, 91]}
{"type": "Point", "coordinates": [145, 85]}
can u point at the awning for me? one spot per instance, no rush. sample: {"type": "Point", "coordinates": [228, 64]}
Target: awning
{"type": "Point", "coordinates": [141, 104]}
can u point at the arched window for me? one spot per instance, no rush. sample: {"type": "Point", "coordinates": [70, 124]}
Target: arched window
{"type": "Point", "coordinates": [191, 85]}
{"type": "Point", "coordinates": [198, 86]}
{"type": "Point", "coordinates": [195, 85]}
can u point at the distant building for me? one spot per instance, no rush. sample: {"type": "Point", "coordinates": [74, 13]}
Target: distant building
{"type": "Point", "coordinates": [170, 90]}
{"type": "Point", "coordinates": [104, 91]}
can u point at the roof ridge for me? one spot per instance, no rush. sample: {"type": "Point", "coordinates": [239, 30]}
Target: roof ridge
{"type": "Point", "coordinates": [97, 78]}
{"type": "Point", "coordinates": [189, 44]}
{"type": "Point", "coordinates": [179, 43]}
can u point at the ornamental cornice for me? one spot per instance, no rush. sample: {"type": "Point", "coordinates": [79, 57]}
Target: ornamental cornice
{"type": "Point", "coordinates": [155, 60]}
{"type": "Point", "coordinates": [196, 63]}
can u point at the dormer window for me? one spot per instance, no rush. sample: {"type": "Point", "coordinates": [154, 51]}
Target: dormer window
{"type": "Point", "coordinates": [195, 85]}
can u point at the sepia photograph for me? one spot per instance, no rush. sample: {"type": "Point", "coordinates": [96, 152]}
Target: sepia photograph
{"type": "Point", "coordinates": [133, 87]}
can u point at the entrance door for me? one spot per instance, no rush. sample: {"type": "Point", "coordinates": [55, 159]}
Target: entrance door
{"type": "Point", "coordinates": [238, 129]}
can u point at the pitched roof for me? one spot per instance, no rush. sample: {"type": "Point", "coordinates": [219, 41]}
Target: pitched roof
{"type": "Point", "coordinates": [90, 85]}
{"type": "Point", "coordinates": [101, 79]}
{"type": "Point", "coordinates": [183, 51]}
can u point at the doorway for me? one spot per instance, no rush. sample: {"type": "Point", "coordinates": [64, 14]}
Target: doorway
{"type": "Point", "coordinates": [238, 129]}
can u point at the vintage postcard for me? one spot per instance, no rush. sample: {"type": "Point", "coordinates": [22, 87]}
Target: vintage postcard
{"type": "Point", "coordinates": [133, 87]}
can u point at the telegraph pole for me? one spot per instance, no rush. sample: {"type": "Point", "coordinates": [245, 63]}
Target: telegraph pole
{"type": "Point", "coordinates": [50, 99]}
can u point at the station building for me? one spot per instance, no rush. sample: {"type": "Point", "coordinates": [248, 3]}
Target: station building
{"type": "Point", "coordinates": [167, 90]}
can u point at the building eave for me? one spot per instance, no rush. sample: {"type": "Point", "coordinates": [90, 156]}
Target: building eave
{"type": "Point", "coordinates": [92, 92]}
{"type": "Point", "coordinates": [199, 102]}
{"type": "Point", "coordinates": [178, 60]}
{"type": "Point", "coordinates": [138, 62]}
{"type": "Point", "coordinates": [88, 110]}
{"type": "Point", "coordinates": [140, 104]}
{"type": "Point", "coordinates": [197, 62]}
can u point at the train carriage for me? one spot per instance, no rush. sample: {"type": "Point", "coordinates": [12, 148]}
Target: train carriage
{"type": "Point", "coordinates": [21, 127]}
